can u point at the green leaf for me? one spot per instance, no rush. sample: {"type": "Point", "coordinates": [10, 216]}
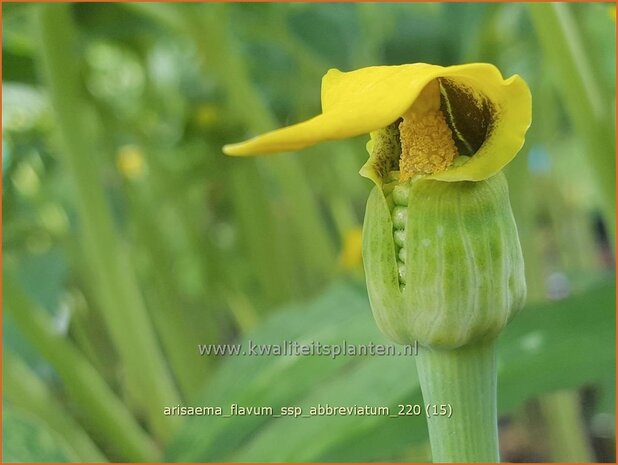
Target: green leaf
{"type": "Point", "coordinates": [559, 345]}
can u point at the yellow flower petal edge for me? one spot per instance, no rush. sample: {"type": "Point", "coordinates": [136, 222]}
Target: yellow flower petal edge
{"type": "Point", "coordinates": [368, 99]}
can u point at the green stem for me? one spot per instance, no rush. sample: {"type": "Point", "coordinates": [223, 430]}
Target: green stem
{"type": "Point", "coordinates": [465, 378]}
{"type": "Point", "coordinates": [564, 48]}
{"type": "Point", "coordinates": [125, 315]}
{"type": "Point", "coordinates": [251, 206]}
{"type": "Point", "coordinates": [178, 331]}
{"type": "Point", "coordinates": [568, 440]}
{"type": "Point", "coordinates": [305, 218]}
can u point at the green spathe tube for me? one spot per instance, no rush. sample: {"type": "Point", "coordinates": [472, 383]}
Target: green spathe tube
{"type": "Point", "coordinates": [454, 275]}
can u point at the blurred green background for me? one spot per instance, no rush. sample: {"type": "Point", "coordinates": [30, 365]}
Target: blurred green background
{"type": "Point", "coordinates": [129, 238]}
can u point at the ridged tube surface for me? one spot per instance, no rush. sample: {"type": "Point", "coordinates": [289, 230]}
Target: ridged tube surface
{"type": "Point", "coordinates": [444, 268]}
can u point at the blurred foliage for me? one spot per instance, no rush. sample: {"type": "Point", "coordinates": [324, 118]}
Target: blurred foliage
{"type": "Point", "coordinates": [27, 440]}
{"type": "Point", "coordinates": [548, 348]}
{"type": "Point", "coordinates": [128, 232]}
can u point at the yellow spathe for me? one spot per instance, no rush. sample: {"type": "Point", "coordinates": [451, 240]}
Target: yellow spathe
{"type": "Point", "coordinates": [368, 99]}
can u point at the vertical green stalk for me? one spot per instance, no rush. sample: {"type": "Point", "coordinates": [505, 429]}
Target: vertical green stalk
{"type": "Point", "coordinates": [563, 47]}
{"type": "Point", "coordinates": [568, 439]}
{"type": "Point", "coordinates": [177, 334]}
{"type": "Point", "coordinates": [252, 207]}
{"type": "Point", "coordinates": [105, 413]}
{"type": "Point", "coordinates": [125, 315]}
{"type": "Point", "coordinates": [465, 378]}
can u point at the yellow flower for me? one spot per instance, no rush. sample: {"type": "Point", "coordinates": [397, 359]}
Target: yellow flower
{"type": "Point", "coordinates": [130, 161]}
{"type": "Point", "coordinates": [454, 123]}
{"type": "Point", "coordinates": [351, 257]}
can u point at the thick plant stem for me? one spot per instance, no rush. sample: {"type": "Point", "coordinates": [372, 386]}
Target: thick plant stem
{"type": "Point", "coordinates": [464, 380]}
{"type": "Point", "coordinates": [149, 382]}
